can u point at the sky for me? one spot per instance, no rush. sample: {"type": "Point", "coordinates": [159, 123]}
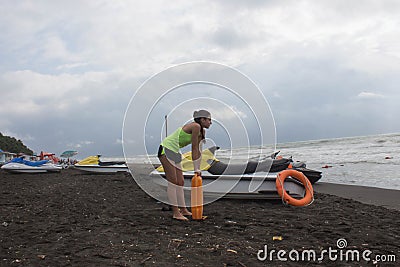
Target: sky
{"type": "Point", "coordinates": [69, 69]}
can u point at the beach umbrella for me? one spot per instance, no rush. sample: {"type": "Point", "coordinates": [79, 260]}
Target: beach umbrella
{"type": "Point", "coordinates": [68, 154]}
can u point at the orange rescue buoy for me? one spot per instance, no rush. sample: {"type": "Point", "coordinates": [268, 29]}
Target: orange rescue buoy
{"type": "Point", "coordinates": [197, 197]}
{"type": "Point", "coordinates": [280, 180]}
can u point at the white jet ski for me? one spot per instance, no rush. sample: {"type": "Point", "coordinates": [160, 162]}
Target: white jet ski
{"type": "Point", "coordinates": [238, 180]}
{"type": "Point", "coordinates": [237, 186]}
{"type": "Point", "coordinates": [20, 165]}
{"type": "Point", "coordinates": [93, 164]}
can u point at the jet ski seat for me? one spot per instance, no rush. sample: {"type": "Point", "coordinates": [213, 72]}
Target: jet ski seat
{"type": "Point", "coordinates": [271, 165]}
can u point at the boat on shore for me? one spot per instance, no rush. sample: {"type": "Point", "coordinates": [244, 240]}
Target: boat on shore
{"type": "Point", "coordinates": [250, 180]}
{"type": "Point", "coordinates": [20, 165]}
{"type": "Point", "coordinates": [93, 164]}
{"type": "Point", "coordinates": [237, 186]}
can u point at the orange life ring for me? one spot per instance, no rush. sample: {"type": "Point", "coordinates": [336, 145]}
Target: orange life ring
{"type": "Point", "coordinates": [280, 180]}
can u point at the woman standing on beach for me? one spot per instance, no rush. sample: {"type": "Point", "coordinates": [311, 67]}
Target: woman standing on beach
{"type": "Point", "coordinates": [170, 158]}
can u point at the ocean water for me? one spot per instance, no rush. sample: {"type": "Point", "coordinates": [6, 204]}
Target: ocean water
{"type": "Point", "coordinates": [366, 160]}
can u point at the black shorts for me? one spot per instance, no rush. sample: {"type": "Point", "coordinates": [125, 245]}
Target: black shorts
{"type": "Point", "coordinates": [171, 155]}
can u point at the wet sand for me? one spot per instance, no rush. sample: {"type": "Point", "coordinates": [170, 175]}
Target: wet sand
{"type": "Point", "coordinates": [74, 219]}
{"type": "Point", "coordinates": [369, 195]}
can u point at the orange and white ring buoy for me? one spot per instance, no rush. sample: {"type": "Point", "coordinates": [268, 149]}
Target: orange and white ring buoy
{"type": "Point", "coordinates": [280, 180]}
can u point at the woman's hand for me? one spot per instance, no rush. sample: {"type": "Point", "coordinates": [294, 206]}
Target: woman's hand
{"type": "Point", "coordinates": [198, 172]}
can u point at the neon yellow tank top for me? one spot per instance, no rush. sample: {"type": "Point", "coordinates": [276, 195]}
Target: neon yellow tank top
{"type": "Point", "coordinates": [177, 140]}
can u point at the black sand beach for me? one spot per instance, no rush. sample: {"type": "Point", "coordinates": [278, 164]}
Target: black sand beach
{"type": "Point", "coordinates": [74, 219]}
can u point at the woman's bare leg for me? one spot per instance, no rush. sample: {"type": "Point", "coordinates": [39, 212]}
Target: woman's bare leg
{"type": "Point", "coordinates": [173, 188]}
{"type": "Point", "coordinates": [180, 193]}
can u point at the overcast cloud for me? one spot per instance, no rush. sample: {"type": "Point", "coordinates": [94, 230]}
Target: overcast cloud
{"type": "Point", "coordinates": [69, 68]}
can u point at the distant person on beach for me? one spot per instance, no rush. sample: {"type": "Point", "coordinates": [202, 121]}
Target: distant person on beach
{"type": "Point", "coordinates": [170, 158]}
